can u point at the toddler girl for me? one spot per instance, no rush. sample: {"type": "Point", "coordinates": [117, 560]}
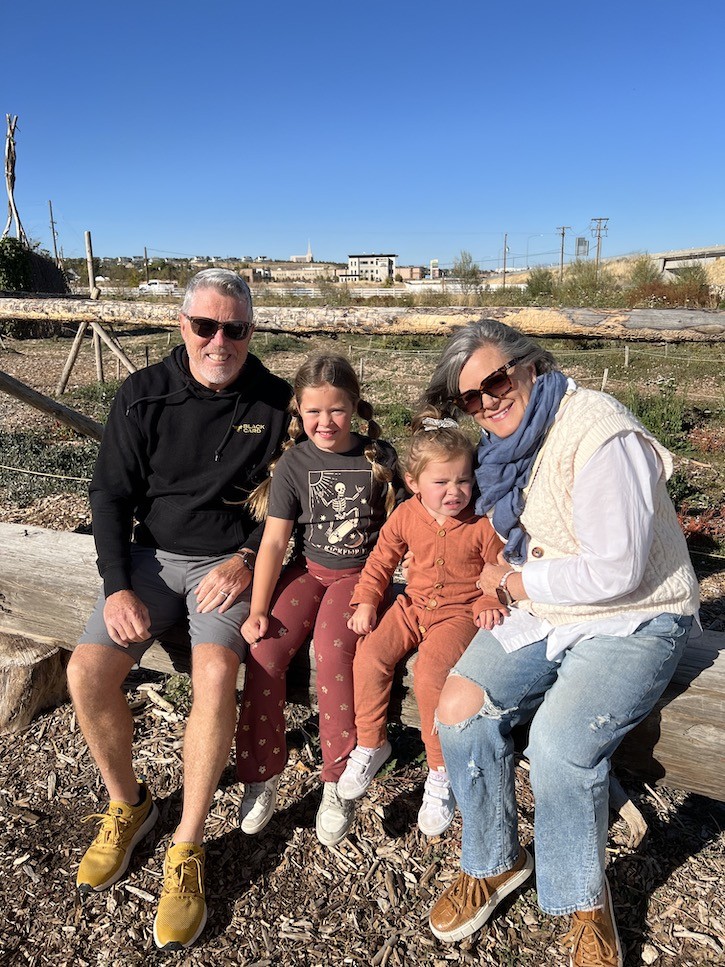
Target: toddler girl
{"type": "Point", "coordinates": [438, 614]}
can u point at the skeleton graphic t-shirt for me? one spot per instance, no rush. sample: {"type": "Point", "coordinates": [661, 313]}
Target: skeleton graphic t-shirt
{"type": "Point", "coordinates": [338, 506]}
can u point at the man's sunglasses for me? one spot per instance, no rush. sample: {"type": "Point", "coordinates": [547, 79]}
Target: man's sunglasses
{"type": "Point", "coordinates": [208, 328]}
{"type": "Point", "coordinates": [498, 384]}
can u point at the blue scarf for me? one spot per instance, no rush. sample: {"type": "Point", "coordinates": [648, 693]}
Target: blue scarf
{"type": "Point", "coordinates": [504, 464]}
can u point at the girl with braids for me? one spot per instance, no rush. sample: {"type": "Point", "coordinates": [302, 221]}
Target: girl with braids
{"type": "Point", "coordinates": [439, 613]}
{"type": "Point", "coordinates": [333, 487]}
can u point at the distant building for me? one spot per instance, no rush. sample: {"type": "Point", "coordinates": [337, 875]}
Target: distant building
{"type": "Point", "coordinates": [304, 258]}
{"type": "Point", "coordinates": [369, 268]}
{"type": "Point", "coordinates": [409, 273]}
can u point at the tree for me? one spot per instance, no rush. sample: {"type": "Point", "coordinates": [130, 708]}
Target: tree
{"type": "Point", "coordinates": [467, 272]}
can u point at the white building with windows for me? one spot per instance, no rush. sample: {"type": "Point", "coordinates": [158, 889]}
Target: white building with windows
{"type": "Point", "coordinates": [369, 268]}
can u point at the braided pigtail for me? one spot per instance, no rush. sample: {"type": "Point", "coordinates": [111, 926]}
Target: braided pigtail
{"type": "Point", "coordinates": [382, 474]}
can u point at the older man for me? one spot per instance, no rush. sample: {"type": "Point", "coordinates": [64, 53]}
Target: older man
{"type": "Point", "coordinates": [185, 441]}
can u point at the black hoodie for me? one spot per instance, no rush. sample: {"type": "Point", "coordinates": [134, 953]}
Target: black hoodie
{"type": "Point", "coordinates": [179, 458]}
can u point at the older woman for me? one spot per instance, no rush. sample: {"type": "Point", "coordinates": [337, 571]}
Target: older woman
{"type": "Point", "coordinates": [601, 596]}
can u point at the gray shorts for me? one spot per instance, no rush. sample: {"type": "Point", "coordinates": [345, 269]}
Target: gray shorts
{"type": "Point", "coordinates": [165, 583]}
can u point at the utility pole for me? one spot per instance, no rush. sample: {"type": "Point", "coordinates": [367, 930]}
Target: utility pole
{"type": "Point", "coordinates": [505, 249]}
{"type": "Point", "coordinates": [562, 231]}
{"type": "Point", "coordinates": [599, 228]}
{"type": "Point", "coordinates": [146, 263]}
{"type": "Point", "coordinates": [53, 234]}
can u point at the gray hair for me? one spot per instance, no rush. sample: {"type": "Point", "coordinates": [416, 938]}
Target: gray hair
{"type": "Point", "coordinates": [223, 281]}
{"type": "Point", "coordinates": [444, 383]}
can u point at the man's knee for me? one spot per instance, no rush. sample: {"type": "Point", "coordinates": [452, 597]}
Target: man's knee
{"type": "Point", "coordinates": [214, 670]}
{"type": "Point", "coordinates": [93, 669]}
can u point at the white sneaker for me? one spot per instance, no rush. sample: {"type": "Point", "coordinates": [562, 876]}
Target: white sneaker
{"type": "Point", "coordinates": [360, 770]}
{"type": "Point", "coordinates": [258, 804]}
{"type": "Point", "coordinates": [334, 817]}
{"type": "Point", "coordinates": [439, 804]}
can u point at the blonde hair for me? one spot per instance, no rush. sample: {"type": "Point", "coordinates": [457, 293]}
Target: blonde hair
{"type": "Point", "coordinates": [323, 369]}
{"type": "Point", "coordinates": [430, 442]}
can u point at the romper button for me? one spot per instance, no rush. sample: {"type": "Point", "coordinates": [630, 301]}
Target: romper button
{"type": "Point", "coordinates": [438, 587]}
{"type": "Point", "coordinates": [441, 533]}
{"type": "Point", "coordinates": [537, 552]}
{"type": "Point", "coordinates": [432, 603]}
{"type": "Point", "coordinates": [439, 560]}
{"type": "Point", "coordinates": [421, 629]}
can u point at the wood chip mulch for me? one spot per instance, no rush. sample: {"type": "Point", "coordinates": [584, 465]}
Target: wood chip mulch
{"type": "Point", "coordinates": [282, 898]}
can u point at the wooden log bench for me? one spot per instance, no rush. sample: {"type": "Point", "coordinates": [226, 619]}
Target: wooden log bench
{"type": "Point", "coordinates": [49, 583]}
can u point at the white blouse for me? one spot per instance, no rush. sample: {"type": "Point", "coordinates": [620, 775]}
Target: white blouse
{"type": "Point", "coordinates": [618, 484]}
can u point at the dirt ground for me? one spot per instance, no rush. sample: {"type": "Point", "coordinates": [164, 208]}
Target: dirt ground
{"type": "Point", "coordinates": [282, 898]}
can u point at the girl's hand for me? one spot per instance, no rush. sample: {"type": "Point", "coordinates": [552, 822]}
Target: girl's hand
{"type": "Point", "coordinates": [255, 627]}
{"type": "Point", "coordinates": [364, 619]}
{"type": "Point", "coordinates": [491, 617]}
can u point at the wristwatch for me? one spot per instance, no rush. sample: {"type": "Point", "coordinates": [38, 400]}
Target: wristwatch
{"type": "Point", "coordinates": [248, 558]}
{"type": "Point", "coordinates": [502, 592]}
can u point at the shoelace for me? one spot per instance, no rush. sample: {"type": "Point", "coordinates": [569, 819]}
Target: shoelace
{"type": "Point", "coordinates": [594, 948]}
{"type": "Point", "coordinates": [111, 826]}
{"type": "Point", "coordinates": [178, 875]}
{"type": "Point", "coordinates": [464, 887]}
{"type": "Point", "coordinates": [330, 796]}
{"type": "Point", "coordinates": [330, 799]}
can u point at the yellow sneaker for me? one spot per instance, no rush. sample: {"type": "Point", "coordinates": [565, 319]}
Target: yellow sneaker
{"type": "Point", "coordinates": [122, 827]}
{"type": "Point", "coordinates": [182, 908]}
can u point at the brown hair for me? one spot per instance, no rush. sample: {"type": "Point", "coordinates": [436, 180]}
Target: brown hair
{"type": "Point", "coordinates": [324, 369]}
{"type": "Point", "coordinates": [430, 442]}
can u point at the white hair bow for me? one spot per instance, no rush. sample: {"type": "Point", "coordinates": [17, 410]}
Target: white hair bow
{"type": "Point", "coordinates": [445, 424]}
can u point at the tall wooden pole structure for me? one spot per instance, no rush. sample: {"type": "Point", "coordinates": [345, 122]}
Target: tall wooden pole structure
{"type": "Point", "coordinates": [10, 182]}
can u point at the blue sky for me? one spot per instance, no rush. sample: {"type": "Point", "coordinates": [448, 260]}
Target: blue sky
{"type": "Point", "coordinates": [227, 128]}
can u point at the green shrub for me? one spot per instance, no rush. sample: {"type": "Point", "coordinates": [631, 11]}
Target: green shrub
{"type": "Point", "coordinates": [95, 399]}
{"type": "Point", "coordinates": [691, 287]}
{"type": "Point", "coordinates": [393, 416]}
{"type": "Point", "coordinates": [664, 413]}
{"type": "Point", "coordinates": [15, 274]}
{"type": "Point", "coordinates": [644, 272]}
{"type": "Point", "coordinates": [31, 451]}
{"type": "Point", "coordinates": [266, 343]}
{"type": "Point", "coordinates": [540, 283]}
{"type": "Point", "coordinates": [583, 286]}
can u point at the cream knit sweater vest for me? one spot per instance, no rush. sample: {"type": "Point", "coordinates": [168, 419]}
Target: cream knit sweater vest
{"type": "Point", "coordinates": [586, 420]}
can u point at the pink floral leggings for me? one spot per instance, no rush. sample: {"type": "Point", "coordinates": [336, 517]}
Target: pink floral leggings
{"type": "Point", "coordinates": [308, 600]}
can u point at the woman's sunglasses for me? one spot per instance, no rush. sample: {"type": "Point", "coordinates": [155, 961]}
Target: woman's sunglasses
{"type": "Point", "coordinates": [498, 384]}
{"type": "Point", "coordinates": [208, 328]}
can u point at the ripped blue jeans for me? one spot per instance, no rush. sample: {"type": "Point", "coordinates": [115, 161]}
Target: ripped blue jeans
{"type": "Point", "coordinates": [580, 706]}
